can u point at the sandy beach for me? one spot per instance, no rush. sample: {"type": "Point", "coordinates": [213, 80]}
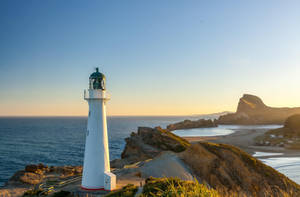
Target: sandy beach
{"type": "Point", "coordinates": [244, 139]}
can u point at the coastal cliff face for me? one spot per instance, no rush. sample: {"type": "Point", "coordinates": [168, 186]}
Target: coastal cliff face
{"type": "Point", "coordinates": [232, 172]}
{"type": "Point", "coordinates": [252, 110]}
{"type": "Point", "coordinates": [148, 143]}
{"type": "Point", "coordinates": [225, 168]}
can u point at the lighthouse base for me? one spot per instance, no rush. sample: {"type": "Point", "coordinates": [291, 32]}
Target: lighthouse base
{"type": "Point", "coordinates": [93, 189]}
{"type": "Point", "coordinates": [109, 183]}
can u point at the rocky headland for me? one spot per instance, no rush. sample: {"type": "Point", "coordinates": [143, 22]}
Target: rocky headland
{"type": "Point", "coordinates": [225, 168]}
{"type": "Point", "coordinates": [190, 124]}
{"type": "Point", "coordinates": [288, 136]}
{"type": "Point", "coordinates": [156, 152]}
{"type": "Point", "coordinates": [252, 110]}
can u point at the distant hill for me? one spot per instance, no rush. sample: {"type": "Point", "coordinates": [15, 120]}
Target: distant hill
{"type": "Point", "coordinates": [252, 110]}
{"type": "Point", "coordinates": [288, 136]}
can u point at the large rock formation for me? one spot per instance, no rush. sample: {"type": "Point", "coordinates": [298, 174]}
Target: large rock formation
{"type": "Point", "coordinates": [227, 169]}
{"type": "Point", "coordinates": [232, 172]}
{"type": "Point", "coordinates": [189, 124]}
{"type": "Point", "coordinates": [148, 143]}
{"type": "Point", "coordinates": [252, 110]}
{"type": "Point", "coordinates": [288, 136]}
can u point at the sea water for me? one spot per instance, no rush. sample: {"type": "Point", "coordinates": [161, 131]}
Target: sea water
{"type": "Point", "coordinates": [289, 166]}
{"type": "Point", "coordinates": [220, 130]}
{"type": "Point", "coordinates": [60, 140]}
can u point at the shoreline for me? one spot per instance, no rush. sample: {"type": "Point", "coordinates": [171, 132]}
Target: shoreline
{"type": "Point", "coordinates": [244, 139]}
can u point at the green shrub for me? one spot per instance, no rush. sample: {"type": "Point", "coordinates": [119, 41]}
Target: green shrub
{"type": "Point", "coordinates": [175, 187]}
{"type": "Point", "coordinates": [127, 191]}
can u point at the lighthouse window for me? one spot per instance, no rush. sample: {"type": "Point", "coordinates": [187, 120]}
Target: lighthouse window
{"type": "Point", "coordinates": [87, 133]}
{"type": "Point", "coordinates": [89, 113]}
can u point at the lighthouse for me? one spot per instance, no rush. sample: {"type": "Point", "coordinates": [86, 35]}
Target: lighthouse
{"type": "Point", "coordinates": [96, 166]}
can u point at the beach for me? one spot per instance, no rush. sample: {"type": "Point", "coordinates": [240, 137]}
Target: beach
{"type": "Point", "coordinates": [244, 139]}
{"type": "Point", "coordinates": [286, 161]}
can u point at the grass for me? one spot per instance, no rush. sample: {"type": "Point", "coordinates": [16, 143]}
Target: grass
{"type": "Point", "coordinates": [175, 187]}
{"type": "Point", "coordinates": [167, 187]}
{"type": "Point", "coordinates": [183, 143]}
{"type": "Point", "coordinates": [127, 191]}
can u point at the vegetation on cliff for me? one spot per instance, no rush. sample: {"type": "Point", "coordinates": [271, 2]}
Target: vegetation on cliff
{"type": "Point", "coordinates": [231, 171]}
{"type": "Point", "coordinates": [226, 168]}
{"type": "Point", "coordinates": [127, 191]}
{"type": "Point", "coordinates": [148, 143]}
{"type": "Point", "coordinates": [163, 187]}
{"type": "Point", "coordinates": [287, 136]}
{"type": "Point", "coordinates": [175, 187]}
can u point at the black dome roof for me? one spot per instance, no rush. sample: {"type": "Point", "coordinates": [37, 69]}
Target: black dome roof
{"type": "Point", "coordinates": [97, 75]}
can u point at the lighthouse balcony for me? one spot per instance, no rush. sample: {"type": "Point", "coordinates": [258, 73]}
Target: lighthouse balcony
{"type": "Point", "coordinates": [96, 94]}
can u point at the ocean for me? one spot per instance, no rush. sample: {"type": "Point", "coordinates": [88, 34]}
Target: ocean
{"type": "Point", "coordinates": [60, 141]}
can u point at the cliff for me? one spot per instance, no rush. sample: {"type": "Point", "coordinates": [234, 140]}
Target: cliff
{"type": "Point", "coordinates": [232, 172]}
{"type": "Point", "coordinates": [189, 124]}
{"type": "Point", "coordinates": [155, 152]}
{"type": "Point", "coordinates": [288, 136]}
{"type": "Point", "coordinates": [252, 110]}
{"type": "Point", "coordinates": [148, 143]}
{"type": "Point", "coordinates": [225, 168]}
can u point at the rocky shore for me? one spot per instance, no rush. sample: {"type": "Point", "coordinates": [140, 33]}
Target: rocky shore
{"type": "Point", "coordinates": [34, 175]}
{"type": "Point", "coordinates": [156, 152]}
{"type": "Point", "coordinates": [225, 168]}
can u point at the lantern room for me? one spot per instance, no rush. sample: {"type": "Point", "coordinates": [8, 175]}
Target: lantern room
{"type": "Point", "coordinates": [97, 80]}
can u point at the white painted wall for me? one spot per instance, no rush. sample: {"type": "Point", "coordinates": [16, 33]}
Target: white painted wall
{"type": "Point", "coordinates": [96, 155]}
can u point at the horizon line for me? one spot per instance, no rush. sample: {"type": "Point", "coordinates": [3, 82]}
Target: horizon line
{"type": "Point", "coordinates": [154, 115]}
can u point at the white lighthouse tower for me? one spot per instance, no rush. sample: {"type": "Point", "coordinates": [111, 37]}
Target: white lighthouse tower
{"type": "Point", "coordinates": [96, 167]}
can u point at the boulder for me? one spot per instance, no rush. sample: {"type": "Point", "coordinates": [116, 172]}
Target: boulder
{"type": "Point", "coordinates": [31, 168]}
{"type": "Point", "coordinates": [26, 177]}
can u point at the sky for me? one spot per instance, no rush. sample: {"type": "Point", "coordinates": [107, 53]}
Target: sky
{"type": "Point", "coordinates": [168, 57]}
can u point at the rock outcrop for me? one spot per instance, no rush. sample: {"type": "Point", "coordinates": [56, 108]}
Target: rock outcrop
{"type": "Point", "coordinates": [227, 169]}
{"type": "Point", "coordinates": [288, 136]}
{"type": "Point", "coordinates": [189, 124]}
{"type": "Point", "coordinates": [148, 143]}
{"type": "Point", "coordinates": [33, 175]}
{"type": "Point", "coordinates": [252, 110]}
{"type": "Point", "coordinates": [232, 172]}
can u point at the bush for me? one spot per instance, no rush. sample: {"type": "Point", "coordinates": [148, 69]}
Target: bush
{"type": "Point", "coordinates": [175, 187]}
{"type": "Point", "coordinates": [127, 191]}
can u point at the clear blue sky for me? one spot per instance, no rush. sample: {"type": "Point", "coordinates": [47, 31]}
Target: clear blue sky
{"type": "Point", "coordinates": [160, 57]}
